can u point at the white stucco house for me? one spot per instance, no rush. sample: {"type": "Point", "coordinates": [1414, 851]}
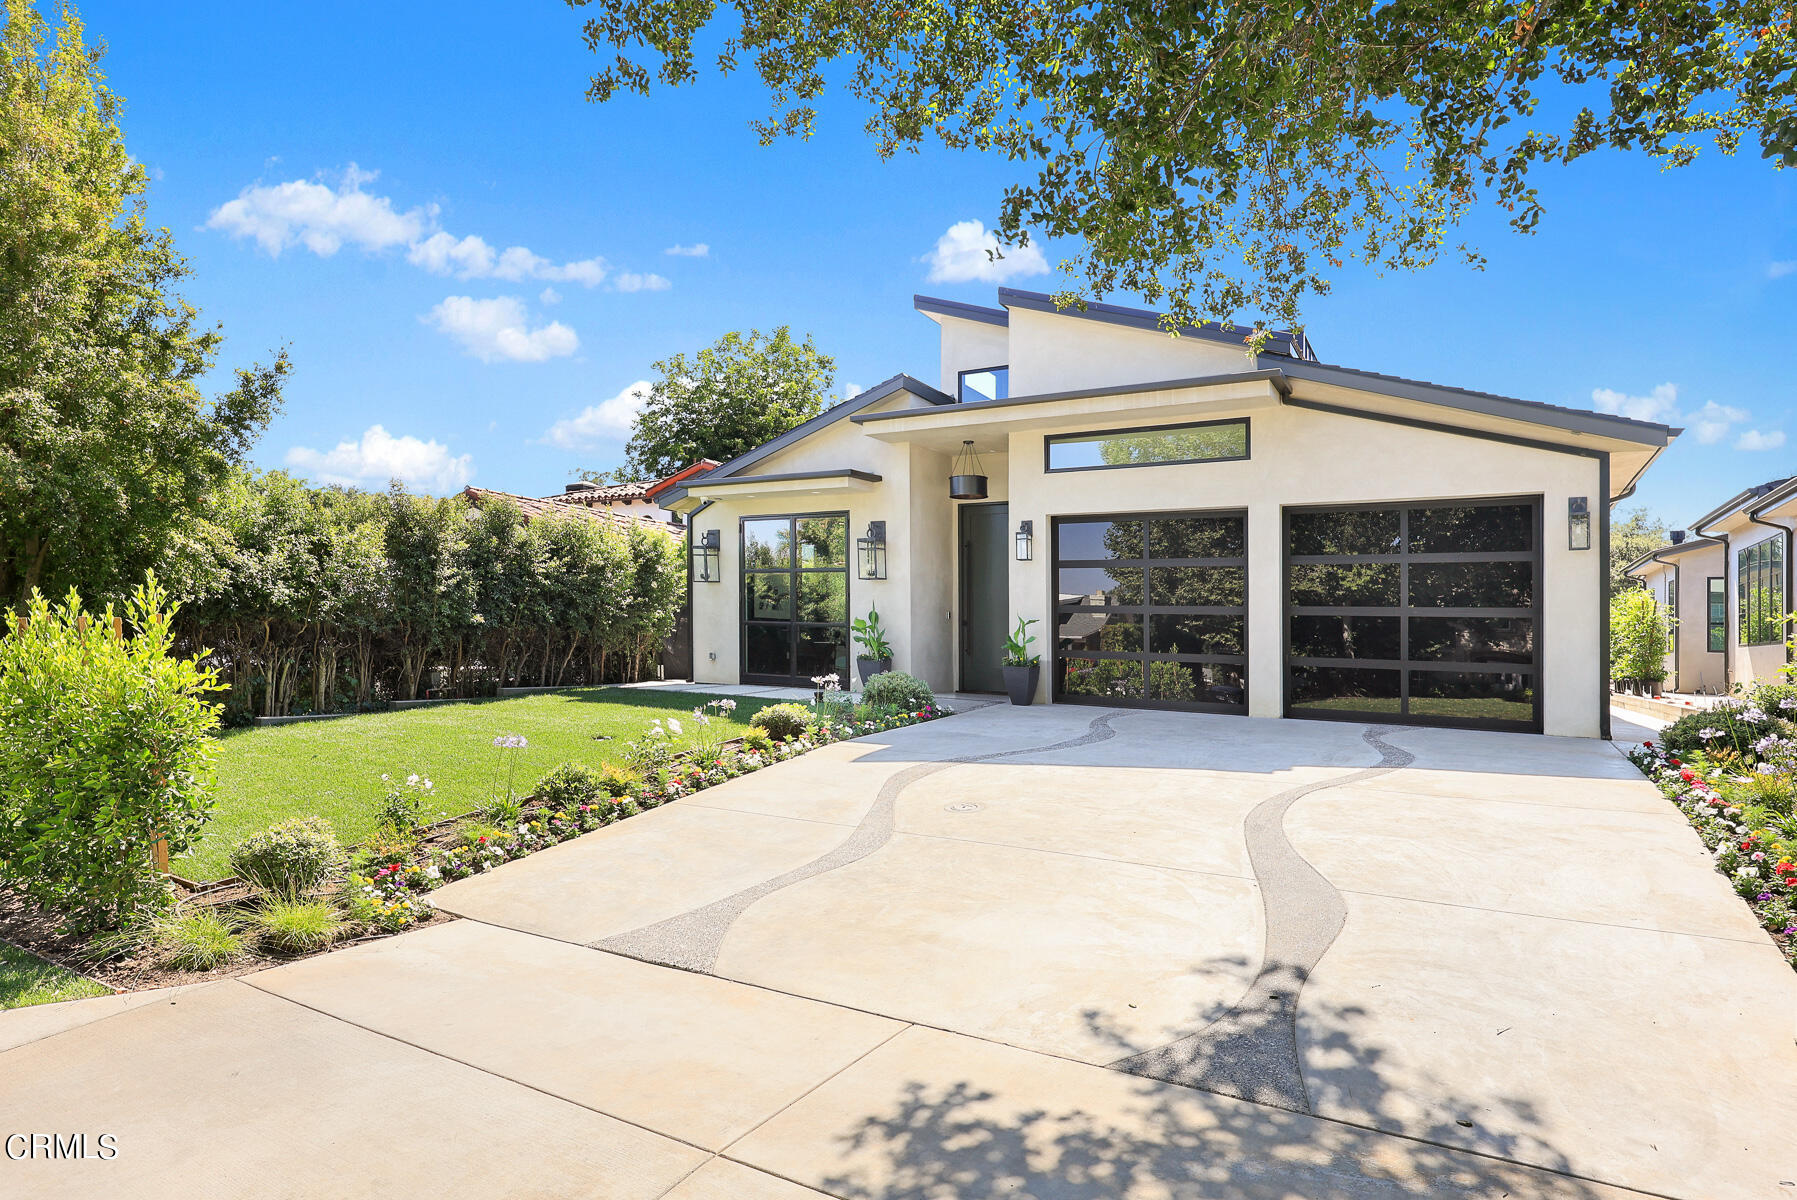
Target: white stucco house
{"type": "Point", "coordinates": [1188, 526]}
{"type": "Point", "coordinates": [1727, 586]}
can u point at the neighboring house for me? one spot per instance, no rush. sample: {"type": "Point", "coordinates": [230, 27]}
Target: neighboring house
{"type": "Point", "coordinates": [632, 499]}
{"type": "Point", "coordinates": [1688, 578]}
{"type": "Point", "coordinates": [533, 507]}
{"type": "Point", "coordinates": [1189, 528]}
{"type": "Point", "coordinates": [1739, 570]}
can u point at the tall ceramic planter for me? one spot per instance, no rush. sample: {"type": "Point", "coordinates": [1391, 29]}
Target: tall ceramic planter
{"type": "Point", "coordinates": [869, 667]}
{"type": "Point", "coordinates": [1020, 682]}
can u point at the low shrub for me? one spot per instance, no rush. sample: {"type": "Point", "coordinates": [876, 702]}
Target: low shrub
{"type": "Point", "coordinates": [1724, 734]}
{"type": "Point", "coordinates": [569, 785]}
{"type": "Point", "coordinates": [297, 926]}
{"type": "Point", "coordinates": [292, 859]}
{"type": "Point", "coordinates": [895, 689]}
{"type": "Point", "coordinates": [106, 745]}
{"type": "Point", "coordinates": [757, 739]}
{"type": "Point", "coordinates": [617, 780]}
{"type": "Point", "coordinates": [783, 722]}
{"type": "Point", "coordinates": [194, 940]}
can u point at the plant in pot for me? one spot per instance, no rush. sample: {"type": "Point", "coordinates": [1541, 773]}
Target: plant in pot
{"type": "Point", "coordinates": [870, 635]}
{"type": "Point", "coordinates": [1023, 670]}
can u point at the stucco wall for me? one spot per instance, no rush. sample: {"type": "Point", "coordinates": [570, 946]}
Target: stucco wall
{"type": "Point", "coordinates": [1051, 353]}
{"type": "Point", "coordinates": [1699, 669]}
{"type": "Point", "coordinates": [971, 346]}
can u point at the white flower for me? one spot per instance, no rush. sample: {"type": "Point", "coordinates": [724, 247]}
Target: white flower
{"type": "Point", "coordinates": [411, 781]}
{"type": "Point", "coordinates": [674, 725]}
{"type": "Point", "coordinates": [432, 873]}
{"type": "Point", "coordinates": [500, 742]}
{"type": "Point", "coordinates": [1709, 733]}
{"type": "Point", "coordinates": [1753, 716]}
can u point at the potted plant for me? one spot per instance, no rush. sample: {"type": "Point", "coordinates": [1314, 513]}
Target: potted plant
{"type": "Point", "coordinates": [1023, 670]}
{"type": "Point", "coordinates": [870, 635]}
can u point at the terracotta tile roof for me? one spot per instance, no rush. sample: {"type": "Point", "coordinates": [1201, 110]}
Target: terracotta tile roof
{"type": "Point", "coordinates": [604, 492]}
{"type": "Point", "coordinates": [703, 467]}
{"type": "Point", "coordinates": [532, 506]}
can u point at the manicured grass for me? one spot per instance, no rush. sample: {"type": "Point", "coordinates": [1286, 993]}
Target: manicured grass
{"type": "Point", "coordinates": [26, 979]}
{"type": "Point", "coordinates": [333, 768]}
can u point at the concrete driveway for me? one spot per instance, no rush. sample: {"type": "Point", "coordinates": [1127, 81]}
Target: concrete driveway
{"type": "Point", "coordinates": [1065, 953]}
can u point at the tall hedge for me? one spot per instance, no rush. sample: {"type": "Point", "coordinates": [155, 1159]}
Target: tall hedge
{"type": "Point", "coordinates": [325, 599]}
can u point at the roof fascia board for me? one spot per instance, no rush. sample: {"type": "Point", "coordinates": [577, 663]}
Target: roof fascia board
{"type": "Point", "coordinates": [788, 477]}
{"type": "Point", "coordinates": [1124, 389]}
{"type": "Point", "coordinates": [1672, 551]}
{"type": "Point", "coordinates": [931, 305]}
{"type": "Point", "coordinates": [1627, 429]}
{"type": "Point", "coordinates": [1743, 499]}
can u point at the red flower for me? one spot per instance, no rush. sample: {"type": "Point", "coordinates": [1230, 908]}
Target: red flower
{"type": "Point", "coordinates": [1649, 745]}
{"type": "Point", "coordinates": [1675, 762]}
{"type": "Point", "coordinates": [1686, 776]}
{"type": "Point", "coordinates": [1747, 845]}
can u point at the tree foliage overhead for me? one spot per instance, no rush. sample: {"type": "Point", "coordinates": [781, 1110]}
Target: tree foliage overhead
{"type": "Point", "coordinates": [106, 443]}
{"type": "Point", "coordinates": [733, 395]}
{"type": "Point", "coordinates": [1229, 155]}
{"type": "Point", "coordinates": [1632, 534]}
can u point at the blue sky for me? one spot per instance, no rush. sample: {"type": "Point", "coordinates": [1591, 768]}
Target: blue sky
{"type": "Point", "coordinates": [324, 167]}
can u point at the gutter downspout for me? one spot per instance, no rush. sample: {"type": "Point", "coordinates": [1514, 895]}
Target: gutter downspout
{"type": "Point", "coordinates": [1753, 514]}
{"type": "Point", "coordinates": [1728, 654]}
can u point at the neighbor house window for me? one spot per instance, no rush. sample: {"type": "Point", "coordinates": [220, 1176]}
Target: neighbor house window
{"type": "Point", "coordinates": [1672, 613]}
{"type": "Point", "coordinates": [1716, 619]}
{"type": "Point", "coordinates": [1158, 445]}
{"type": "Point", "coordinates": [1760, 592]}
{"type": "Point", "coordinates": [986, 383]}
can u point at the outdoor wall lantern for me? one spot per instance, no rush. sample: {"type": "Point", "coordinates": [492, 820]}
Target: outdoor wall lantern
{"type": "Point", "coordinates": [1025, 534]}
{"type": "Point", "coordinates": [968, 481]}
{"type": "Point", "coordinates": [707, 556]}
{"type": "Point", "coordinates": [1578, 523]}
{"type": "Point", "coordinates": [872, 551]}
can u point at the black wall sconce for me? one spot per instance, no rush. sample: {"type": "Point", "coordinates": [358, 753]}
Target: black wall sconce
{"type": "Point", "coordinates": [871, 551]}
{"type": "Point", "coordinates": [1026, 533]}
{"type": "Point", "coordinates": [1578, 523]}
{"type": "Point", "coordinates": [707, 557]}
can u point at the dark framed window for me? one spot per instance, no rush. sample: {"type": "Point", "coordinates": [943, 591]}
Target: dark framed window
{"type": "Point", "coordinates": [1427, 613]}
{"type": "Point", "coordinates": [795, 597]}
{"type": "Point", "coordinates": [1760, 592]}
{"type": "Point", "coordinates": [1716, 616]}
{"type": "Point", "coordinates": [1672, 612]}
{"type": "Point", "coordinates": [1151, 610]}
{"type": "Point", "coordinates": [1148, 446]}
{"type": "Point", "coordinates": [983, 383]}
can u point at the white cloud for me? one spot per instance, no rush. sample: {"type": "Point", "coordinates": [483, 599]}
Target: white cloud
{"type": "Point", "coordinates": [1753, 439]}
{"type": "Point", "coordinates": [609, 420]}
{"type": "Point", "coordinates": [379, 456]}
{"type": "Point", "coordinates": [696, 250]}
{"type": "Point", "coordinates": [319, 217]}
{"type": "Point", "coordinates": [1712, 421]}
{"type": "Point", "coordinates": [961, 256]}
{"type": "Point", "coordinates": [1779, 270]}
{"type": "Point", "coordinates": [549, 296]}
{"type": "Point", "coordinates": [851, 390]}
{"type": "Point", "coordinates": [323, 219]}
{"type": "Point", "coordinates": [496, 329]}
{"type": "Point", "coordinates": [630, 282]}
{"type": "Point", "coordinates": [1660, 405]}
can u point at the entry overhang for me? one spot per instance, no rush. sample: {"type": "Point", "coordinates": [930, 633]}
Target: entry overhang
{"type": "Point", "coordinates": [797, 483]}
{"type": "Point", "coordinates": [944, 428]}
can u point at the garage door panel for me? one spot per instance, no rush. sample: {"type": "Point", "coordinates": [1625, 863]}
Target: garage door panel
{"type": "Point", "coordinates": [1425, 613]}
{"type": "Point", "coordinates": [1151, 610]}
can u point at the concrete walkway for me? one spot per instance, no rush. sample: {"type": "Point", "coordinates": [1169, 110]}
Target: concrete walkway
{"type": "Point", "coordinates": [1065, 953]}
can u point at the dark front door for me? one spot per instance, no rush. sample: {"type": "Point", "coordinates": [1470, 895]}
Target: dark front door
{"type": "Point", "coordinates": [985, 592]}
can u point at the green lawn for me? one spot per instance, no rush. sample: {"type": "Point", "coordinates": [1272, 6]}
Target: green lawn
{"type": "Point", "coordinates": [26, 979]}
{"type": "Point", "coordinates": [333, 768]}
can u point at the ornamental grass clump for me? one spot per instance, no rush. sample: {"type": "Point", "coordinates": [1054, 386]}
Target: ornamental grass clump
{"type": "Point", "coordinates": [297, 926]}
{"type": "Point", "coordinates": [195, 940]}
{"type": "Point", "coordinates": [105, 747]}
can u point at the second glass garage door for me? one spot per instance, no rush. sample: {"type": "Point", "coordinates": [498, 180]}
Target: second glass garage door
{"type": "Point", "coordinates": [1426, 614]}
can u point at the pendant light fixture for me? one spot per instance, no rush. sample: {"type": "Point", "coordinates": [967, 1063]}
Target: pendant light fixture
{"type": "Point", "coordinates": [968, 481]}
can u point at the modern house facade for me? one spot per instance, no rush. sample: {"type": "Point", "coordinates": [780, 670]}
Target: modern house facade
{"type": "Point", "coordinates": [1727, 585]}
{"type": "Point", "coordinates": [1185, 525]}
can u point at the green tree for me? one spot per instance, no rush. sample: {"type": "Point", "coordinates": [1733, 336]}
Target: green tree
{"type": "Point", "coordinates": [730, 397]}
{"type": "Point", "coordinates": [1232, 155]}
{"type": "Point", "coordinates": [1631, 537]}
{"type": "Point", "coordinates": [1639, 629]}
{"type": "Point", "coordinates": [106, 442]}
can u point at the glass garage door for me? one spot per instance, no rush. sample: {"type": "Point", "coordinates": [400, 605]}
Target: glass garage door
{"type": "Point", "coordinates": [1425, 614]}
{"type": "Point", "coordinates": [1151, 611]}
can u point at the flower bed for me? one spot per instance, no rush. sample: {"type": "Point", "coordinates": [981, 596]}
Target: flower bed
{"type": "Point", "coordinates": [1734, 776]}
{"type": "Point", "coordinates": [393, 897]}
